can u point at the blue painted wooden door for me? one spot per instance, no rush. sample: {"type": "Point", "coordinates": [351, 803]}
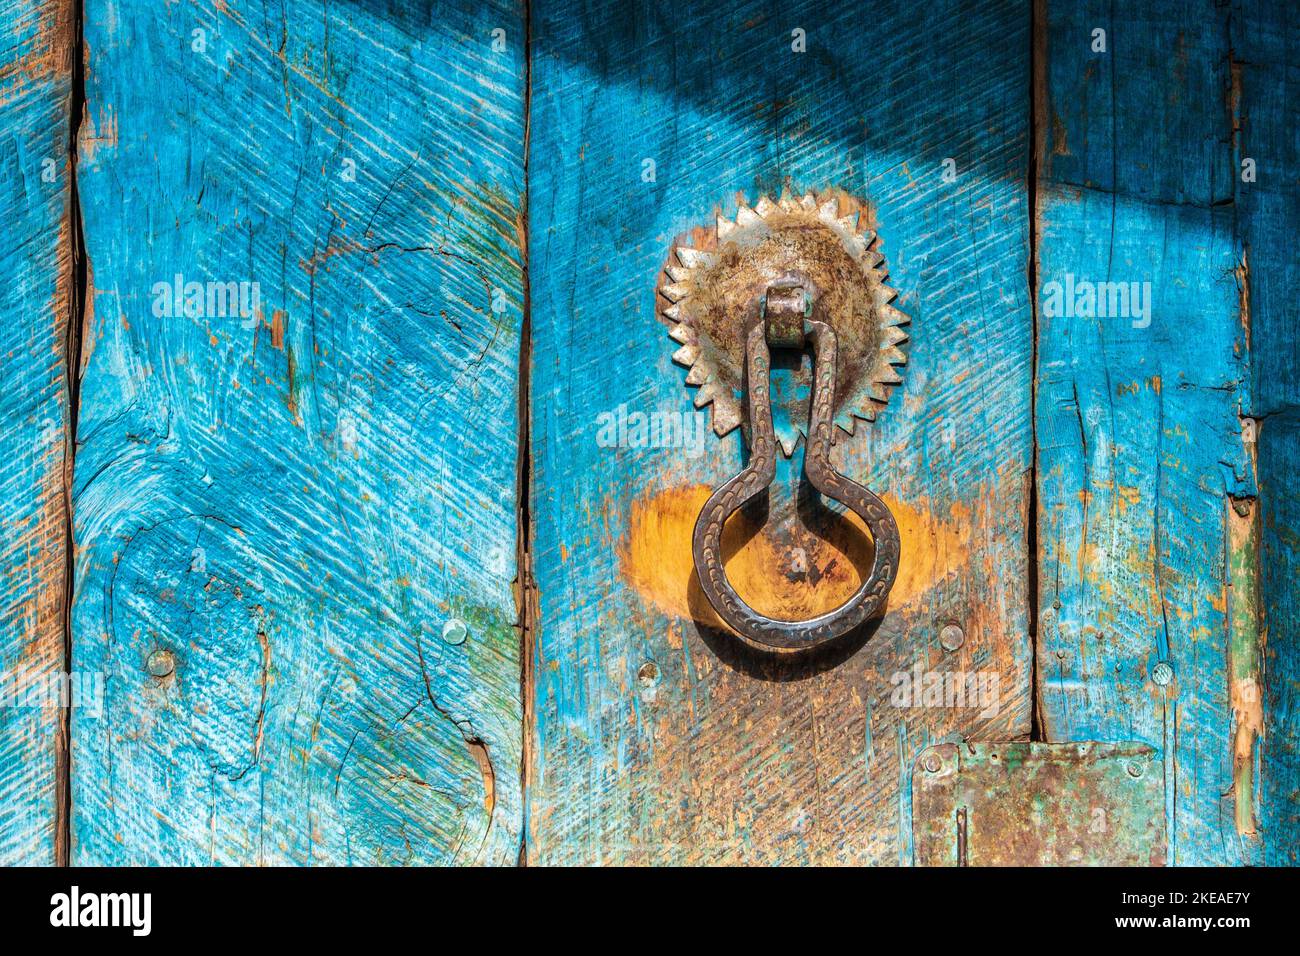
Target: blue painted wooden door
{"type": "Point", "coordinates": [335, 532]}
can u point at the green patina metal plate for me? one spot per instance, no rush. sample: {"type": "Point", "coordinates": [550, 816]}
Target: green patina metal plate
{"type": "Point", "coordinates": [1036, 804]}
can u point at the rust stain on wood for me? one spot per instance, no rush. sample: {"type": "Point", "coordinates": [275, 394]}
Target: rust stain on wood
{"type": "Point", "coordinates": [277, 328]}
{"type": "Point", "coordinates": [785, 572]}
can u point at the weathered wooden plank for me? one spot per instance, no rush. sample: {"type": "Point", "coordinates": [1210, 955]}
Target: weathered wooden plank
{"type": "Point", "coordinates": [1142, 466]}
{"type": "Point", "coordinates": [296, 519]}
{"type": "Point", "coordinates": [36, 299]}
{"type": "Point", "coordinates": [1265, 64]}
{"type": "Point", "coordinates": [654, 738]}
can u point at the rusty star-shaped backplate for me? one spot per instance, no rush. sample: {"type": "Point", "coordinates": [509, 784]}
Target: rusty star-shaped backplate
{"type": "Point", "coordinates": [712, 290]}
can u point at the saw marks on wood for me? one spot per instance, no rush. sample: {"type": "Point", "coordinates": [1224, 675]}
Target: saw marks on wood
{"type": "Point", "coordinates": [37, 301]}
{"type": "Point", "coordinates": [655, 739]}
{"type": "Point", "coordinates": [1149, 560]}
{"type": "Point", "coordinates": [299, 431]}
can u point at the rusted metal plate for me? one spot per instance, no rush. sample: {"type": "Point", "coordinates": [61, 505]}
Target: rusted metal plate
{"type": "Point", "coordinates": [1036, 804]}
{"type": "Point", "coordinates": [714, 290]}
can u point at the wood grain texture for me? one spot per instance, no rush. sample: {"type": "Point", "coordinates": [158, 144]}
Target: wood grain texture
{"type": "Point", "coordinates": [1266, 107]}
{"type": "Point", "coordinates": [1143, 470]}
{"type": "Point", "coordinates": [277, 514]}
{"type": "Point", "coordinates": [654, 738]}
{"type": "Point", "coordinates": [36, 43]}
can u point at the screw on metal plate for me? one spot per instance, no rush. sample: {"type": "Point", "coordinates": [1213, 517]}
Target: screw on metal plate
{"type": "Point", "coordinates": [785, 275]}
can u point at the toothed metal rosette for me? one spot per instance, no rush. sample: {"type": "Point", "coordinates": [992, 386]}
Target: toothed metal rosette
{"type": "Point", "coordinates": [713, 292]}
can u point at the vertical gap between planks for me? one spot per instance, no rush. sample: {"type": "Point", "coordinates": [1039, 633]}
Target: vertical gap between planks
{"type": "Point", "coordinates": [525, 590]}
{"type": "Point", "coordinates": [961, 836]}
{"type": "Point", "coordinates": [1037, 128]}
{"type": "Point", "coordinates": [72, 372]}
{"type": "Point", "coordinates": [1246, 668]}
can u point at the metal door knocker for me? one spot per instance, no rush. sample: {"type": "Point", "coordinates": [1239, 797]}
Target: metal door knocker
{"type": "Point", "coordinates": [785, 275]}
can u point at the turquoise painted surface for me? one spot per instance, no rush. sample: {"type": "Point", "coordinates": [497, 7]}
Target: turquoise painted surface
{"type": "Point", "coordinates": [1266, 53]}
{"type": "Point", "coordinates": [654, 740]}
{"type": "Point", "coordinates": [35, 263]}
{"type": "Point", "coordinates": [279, 512]}
{"type": "Point", "coordinates": [1141, 453]}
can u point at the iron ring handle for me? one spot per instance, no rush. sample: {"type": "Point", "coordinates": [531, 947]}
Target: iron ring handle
{"type": "Point", "coordinates": [758, 474]}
